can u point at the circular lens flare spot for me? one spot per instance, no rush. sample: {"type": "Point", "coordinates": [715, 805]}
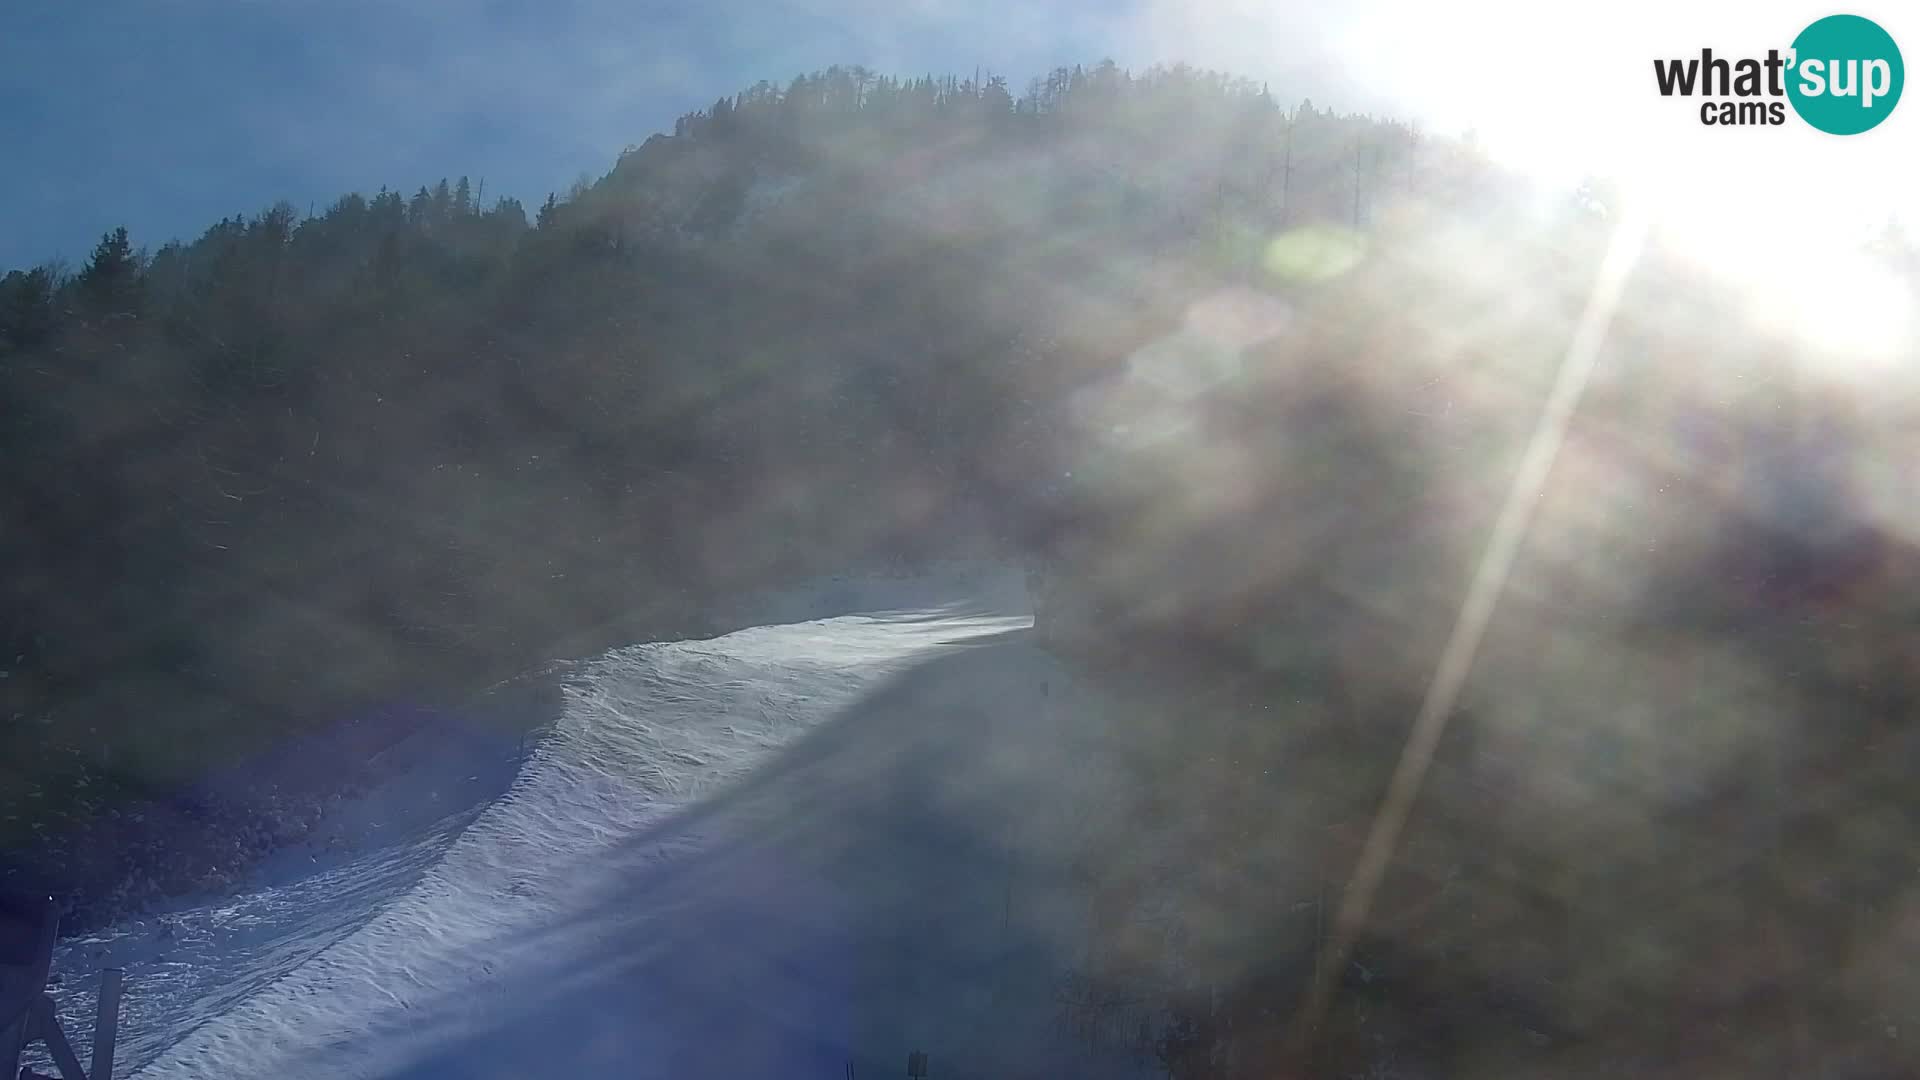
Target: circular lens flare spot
{"type": "Point", "coordinates": [1314, 253]}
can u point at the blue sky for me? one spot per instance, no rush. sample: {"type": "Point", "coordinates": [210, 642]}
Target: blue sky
{"type": "Point", "coordinates": [166, 115]}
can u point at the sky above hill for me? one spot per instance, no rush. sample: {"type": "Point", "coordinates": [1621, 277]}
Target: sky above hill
{"type": "Point", "coordinates": [166, 115]}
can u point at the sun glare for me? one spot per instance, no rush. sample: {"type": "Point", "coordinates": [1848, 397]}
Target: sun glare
{"type": "Point", "coordinates": [1784, 211]}
{"type": "Point", "coordinates": [1804, 267]}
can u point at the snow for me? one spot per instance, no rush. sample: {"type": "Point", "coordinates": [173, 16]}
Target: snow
{"type": "Point", "coordinates": [768, 853]}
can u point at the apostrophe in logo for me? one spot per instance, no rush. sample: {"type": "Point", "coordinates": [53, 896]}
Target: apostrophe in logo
{"type": "Point", "coordinates": [1843, 75]}
{"type": "Point", "coordinates": [1847, 74]}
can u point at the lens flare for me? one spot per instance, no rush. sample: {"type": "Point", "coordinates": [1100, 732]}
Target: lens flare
{"type": "Point", "coordinates": [1314, 253]}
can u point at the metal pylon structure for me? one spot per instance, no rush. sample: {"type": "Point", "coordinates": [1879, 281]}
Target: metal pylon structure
{"type": "Point", "coordinates": [29, 925]}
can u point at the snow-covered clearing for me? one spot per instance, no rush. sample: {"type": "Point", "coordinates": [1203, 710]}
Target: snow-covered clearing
{"type": "Point", "coordinates": [763, 854]}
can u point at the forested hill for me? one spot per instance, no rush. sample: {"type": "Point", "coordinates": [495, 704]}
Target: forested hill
{"type": "Point", "coordinates": [1251, 379]}
{"type": "Point", "coordinates": [395, 449]}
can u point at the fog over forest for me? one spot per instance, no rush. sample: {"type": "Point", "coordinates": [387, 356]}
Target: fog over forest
{"type": "Point", "coordinates": [1245, 383]}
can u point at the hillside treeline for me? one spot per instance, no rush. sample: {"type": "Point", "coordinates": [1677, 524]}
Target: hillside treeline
{"type": "Point", "coordinates": [1248, 379]}
{"type": "Point", "coordinates": [1665, 831]}
{"type": "Point", "coordinates": [310, 465]}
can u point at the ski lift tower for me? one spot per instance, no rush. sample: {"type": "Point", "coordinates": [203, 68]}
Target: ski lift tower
{"type": "Point", "coordinates": [29, 924]}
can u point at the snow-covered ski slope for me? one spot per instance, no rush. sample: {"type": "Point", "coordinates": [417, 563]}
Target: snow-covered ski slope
{"type": "Point", "coordinates": [763, 854]}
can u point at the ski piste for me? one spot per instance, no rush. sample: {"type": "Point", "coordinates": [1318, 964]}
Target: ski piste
{"type": "Point", "coordinates": [674, 872]}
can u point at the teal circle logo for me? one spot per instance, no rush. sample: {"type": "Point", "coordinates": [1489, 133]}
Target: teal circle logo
{"type": "Point", "coordinates": [1846, 74]}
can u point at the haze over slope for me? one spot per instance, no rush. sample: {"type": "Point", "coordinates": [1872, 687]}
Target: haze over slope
{"type": "Point", "coordinates": [783, 848]}
{"type": "Point", "coordinates": [306, 468]}
{"type": "Point", "coordinates": [1249, 381]}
